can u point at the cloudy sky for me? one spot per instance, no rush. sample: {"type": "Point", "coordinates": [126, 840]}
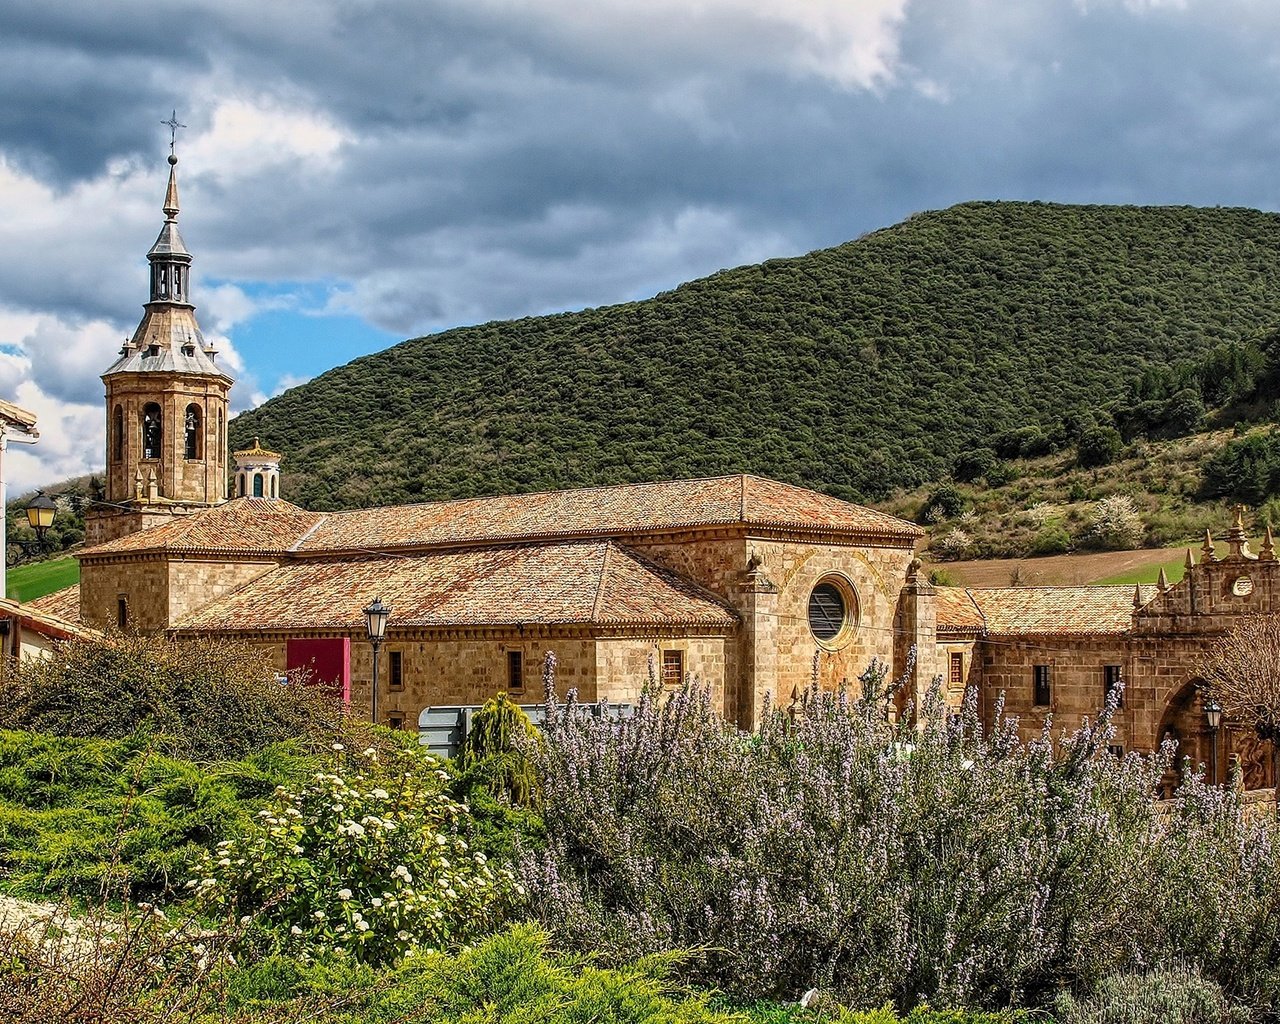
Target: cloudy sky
{"type": "Point", "coordinates": [357, 172]}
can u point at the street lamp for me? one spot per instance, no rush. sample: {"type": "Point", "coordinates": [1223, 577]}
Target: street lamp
{"type": "Point", "coordinates": [375, 620]}
{"type": "Point", "coordinates": [1213, 715]}
{"type": "Point", "coordinates": [40, 515]}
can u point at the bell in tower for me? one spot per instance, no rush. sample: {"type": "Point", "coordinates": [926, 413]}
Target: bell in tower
{"type": "Point", "coordinates": [167, 401]}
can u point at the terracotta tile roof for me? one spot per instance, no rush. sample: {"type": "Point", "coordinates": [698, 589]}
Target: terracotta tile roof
{"type": "Point", "coordinates": [587, 582]}
{"type": "Point", "coordinates": [243, 525]}
{"type": "Point", "coordinates": [64, 603]}
{"type": "Point", "coordinates": [957, 613]}
{"type": "Point", "coordinates": [595, 511]}
{"type": "Point", "coordinates": [1040, 611]}
{"type": "Point", "coordinates": [39, 621]}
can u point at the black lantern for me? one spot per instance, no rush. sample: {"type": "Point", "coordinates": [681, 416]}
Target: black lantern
{"type": "Point", "coordinates": [40, 514]}
{"type": "Point", "coordinates": [375, 621]}
{"type": "Point", "coordinates": [1213, 715]}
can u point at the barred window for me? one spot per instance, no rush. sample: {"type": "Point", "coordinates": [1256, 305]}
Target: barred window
{"type": "Point", "coordinates": [515, 671]}
{"type": "Point", "coordinates": [672, 668]}
{"type": "Point", "coordinates": [1043, 686]}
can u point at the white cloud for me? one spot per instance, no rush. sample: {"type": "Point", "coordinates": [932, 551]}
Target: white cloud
{"type": "Point", "coordinates": [248, 135]}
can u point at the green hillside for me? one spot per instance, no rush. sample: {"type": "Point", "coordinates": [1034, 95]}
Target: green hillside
{"type": "Point", "coordinates": [855, 370]}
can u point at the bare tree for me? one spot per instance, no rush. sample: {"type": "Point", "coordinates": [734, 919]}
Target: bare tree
{"type": "Point", "coordinates": [1243, 673]}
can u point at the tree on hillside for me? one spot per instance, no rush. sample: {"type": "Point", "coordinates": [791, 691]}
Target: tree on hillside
{"type": "Point", "coordinates": [1243, 673]}
{"type": "Point", "coordinates": [1098, 446]}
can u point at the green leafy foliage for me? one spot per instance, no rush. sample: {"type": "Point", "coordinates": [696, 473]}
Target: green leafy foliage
{"type": "Point", "coordinates": [1175, 996]}
{"type": "Point", "coordinates": [1098, 446]}
{"type": "Point", "coordinates": [494, 754]}
{"type": "Point", "coordinates": [212, 699]}
{"type": "Point", "coordinates": [92, 817]}
{"type": "Point", "coordinates": [856, 370]}
{"type": "Point", "coordinates": [365, 858]}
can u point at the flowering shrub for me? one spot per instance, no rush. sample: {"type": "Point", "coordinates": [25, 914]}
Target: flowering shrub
{"type": "Point", "coordinates": [1115, 523]}
{"type": "Point", "coordinates": [365, 859]}
{"type": "Point", "coordinates": [947, 864]}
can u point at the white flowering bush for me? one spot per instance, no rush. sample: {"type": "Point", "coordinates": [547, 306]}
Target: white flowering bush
{"type": "Point", "coordinates": [1115, 523]}
{"type": "Point", "coordinates": [366, 859]}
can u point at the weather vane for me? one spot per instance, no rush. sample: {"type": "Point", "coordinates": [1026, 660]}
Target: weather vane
{"type": "Point", "coordinates": [173, 125]}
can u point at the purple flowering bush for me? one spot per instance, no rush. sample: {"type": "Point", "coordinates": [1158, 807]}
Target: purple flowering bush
{"type": "Point", "coordinates": [889, 863]}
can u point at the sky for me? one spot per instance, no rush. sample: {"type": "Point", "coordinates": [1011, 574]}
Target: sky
{"type": "Point", "coordinates": [354, 172]}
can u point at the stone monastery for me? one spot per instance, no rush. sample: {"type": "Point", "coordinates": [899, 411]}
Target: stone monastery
{"type": "Point", "coordinates": [753, 586]}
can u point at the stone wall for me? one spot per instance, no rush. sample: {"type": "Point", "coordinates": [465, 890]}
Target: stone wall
{"type": "Point", "coordinates": [622, 665]}
{"type": "Point", "coordinates": [1076, 683]}
{"type": "Point", "coordinates": [195, 582]}
{"type": "Point", "coordinates": [141, 582]}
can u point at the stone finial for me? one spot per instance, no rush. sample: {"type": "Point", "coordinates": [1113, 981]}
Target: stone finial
{"type": "Point", "coordinates": [1236, 536]}
{"type": "Point", "coordinates": [1163, 581]}
{"type": "Point", "coordinates": [1137, 595]}
{"type": "Point", "coordinates": [1206, 549]}
{"type": "Point", "coordinates": [1190, 562]}
{"type": "Point", "coordinates": [137, 485]}
{"type": "Point", "coordinates": [153, 487]}
{"type": "Point", "coordinates": [1268, 550]}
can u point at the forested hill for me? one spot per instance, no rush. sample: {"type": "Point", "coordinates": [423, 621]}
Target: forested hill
{"type": "Point", "coordinates": [853, 370]}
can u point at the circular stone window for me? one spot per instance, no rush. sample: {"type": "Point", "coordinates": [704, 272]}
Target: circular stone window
{"type": "Point", "coordinates": [832, 608]}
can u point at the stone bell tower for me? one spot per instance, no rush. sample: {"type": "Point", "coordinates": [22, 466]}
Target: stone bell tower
{"type": "Point", "coordinates": [166, 403]}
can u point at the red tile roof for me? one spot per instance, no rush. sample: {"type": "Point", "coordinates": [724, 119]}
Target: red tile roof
{"type": "Point", "coordinates": [587, 583]}
{"type": "Point", "coordinates": [258, 525]}
{"type": "Point", "coordinates": [64, 603]}
{"type": "Point", "coordinates": [241, 526]}
{"type": "Point", "coordinates": [39, 621]}
{"type": "Point", "coordinates": [1038, 611]}
{"type": "Point", "coordinates": [613, 511]}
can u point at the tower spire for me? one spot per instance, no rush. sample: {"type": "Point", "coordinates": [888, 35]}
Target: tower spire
{"type": "Point", "coordinates": [171, 193]}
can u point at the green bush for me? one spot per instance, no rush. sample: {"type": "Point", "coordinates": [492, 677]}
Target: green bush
{"type": "Point", "coordinates": [1098, 446]}
{"type": "Point", "coordinates": [87, 818]}
{"type": "Point", "coordinates": [211, 699]}
{"type": "Point", "coordinates": [365, 858]}
{"type": "Point", "coordinates": [1180, 996]}
{"type": "Point", "coordinates": [1052, 539]}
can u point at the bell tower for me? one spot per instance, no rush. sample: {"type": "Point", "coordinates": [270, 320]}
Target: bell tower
{"type": "Point", "coordinates": [167, 401]}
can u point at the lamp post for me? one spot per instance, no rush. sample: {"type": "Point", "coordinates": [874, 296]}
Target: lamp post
{"type": "Point", "coordinates": [40, 515]}
{"type": "Point", "coordinates": [375, 620]}
{"type": "Point", "coordinates": [1213, 715]}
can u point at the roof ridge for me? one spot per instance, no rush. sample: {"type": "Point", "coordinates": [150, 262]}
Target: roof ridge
{"type": "Point", "coordinates": [604, 573]}
{"type": "Point", "coordinates": [976, 607]}
{"type": "Point", "coordinates": [320, 518]}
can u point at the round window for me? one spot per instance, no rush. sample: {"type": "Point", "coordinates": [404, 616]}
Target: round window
{"type": "Point", "coordinates": [828, 611]}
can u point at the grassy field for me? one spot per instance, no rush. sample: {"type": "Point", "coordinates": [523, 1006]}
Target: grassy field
{"type": "Point", "coordinates": [27, 582]}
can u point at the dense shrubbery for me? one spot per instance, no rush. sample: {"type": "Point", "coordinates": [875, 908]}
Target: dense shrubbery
{"type": "Point", "coordinates": [366, 859]}
{"type": "Point", "coordinates": [210, 699]}
{"type": "Point", "coordinates": [978, 325]}
{"type": "Point", "coordinates": [945, 865]}
{"type": "Point", "coordinates": [90, 818]}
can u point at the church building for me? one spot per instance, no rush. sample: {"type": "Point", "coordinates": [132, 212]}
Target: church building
{"type": "Point", "coordinates": [755, 587]}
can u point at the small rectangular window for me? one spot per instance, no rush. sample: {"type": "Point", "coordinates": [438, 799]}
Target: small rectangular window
{"type": "Point", "coordinates": [122, 612]}
{"type": "Point", "coordinates": [672, 668]}
{"type": "Point", "coordinates": [397, 670]}
{"type": "Point", "coordinates": [1110, 680]}
{"type": "Point", "coordinates": [957, 671]}
{"type": "Point", "coordinates": [1043, 690]}
{"type": "Point", "coordinates": [1117, 749]}
{"type": "Point", "coordinates": [395, 719]}
{"type": "Point", "coordinates": [515, 671]}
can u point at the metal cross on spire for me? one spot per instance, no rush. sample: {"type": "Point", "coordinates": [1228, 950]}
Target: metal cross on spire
{"type": "Point", "coordinates": [173, 125]}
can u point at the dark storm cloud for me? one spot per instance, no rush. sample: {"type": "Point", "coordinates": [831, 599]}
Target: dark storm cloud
{"type": "Point", "coordinates": [499, 159]}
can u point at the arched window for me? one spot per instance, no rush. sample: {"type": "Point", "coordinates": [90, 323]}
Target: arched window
{"type": "Point", "coordinates": [117, 434]}
{"type": "Point", "coordinates": [257, 485]}
{"type": "Point", "coordinates": [240, 484]}
{"type": "Point", "coordinates": [193, 424]}
{"type": "Point", "coordinates": [273, 487]}
{"type": "Point", "coordinates": [222, 436]}
{"type": "Point", "coordinates": [152, 431]}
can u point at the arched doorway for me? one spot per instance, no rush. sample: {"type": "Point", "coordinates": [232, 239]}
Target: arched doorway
{"type": "Point", "coordinates": [1184, 720]}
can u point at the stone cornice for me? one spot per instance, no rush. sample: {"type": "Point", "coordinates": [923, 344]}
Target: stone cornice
{"type": "Point", "coordinates": [518, 632]}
